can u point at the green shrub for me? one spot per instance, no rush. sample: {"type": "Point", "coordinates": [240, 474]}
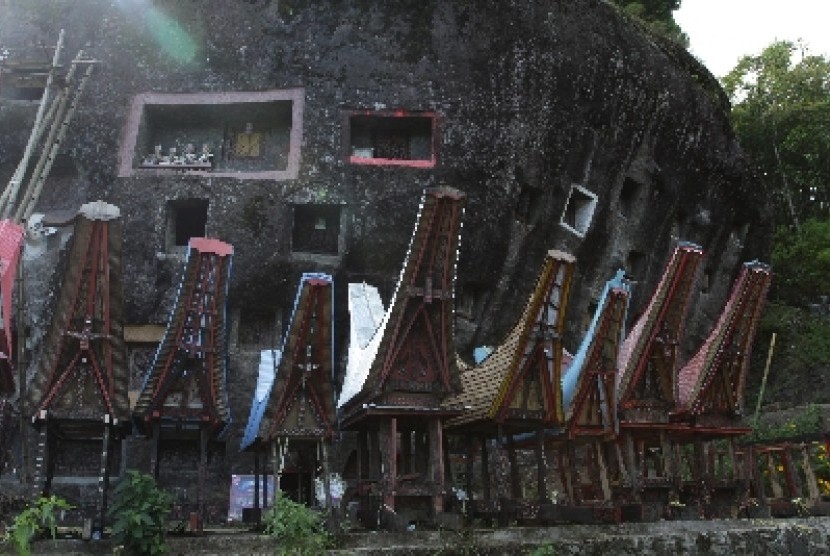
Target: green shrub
{"type": "Point", "coordinates": [298, 530]}
{"type": "Point", "coordinates": [35, 519]}
{"type": "Point", "coordinates": [139, 511]}
{"type": "Point", "coordinates": [543, 550]}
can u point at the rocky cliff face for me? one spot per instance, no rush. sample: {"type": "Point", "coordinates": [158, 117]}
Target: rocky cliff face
{"type": "Point", "coordinates": [564, 123]}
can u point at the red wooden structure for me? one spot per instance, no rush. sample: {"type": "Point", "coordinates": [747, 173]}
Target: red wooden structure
{"type": "Point", "coordinates": [648, 374]}
{"type": "Point", "coordinates": [80, 386]}
{"type": "Point", "coordinates": [11, 242]}
{"type": "Point", "coordinates": [517, 388]}
{"type": "Point", "coordinates": [398, 410]}
{"type": "Point", "coordinates": [298, 413]}
{"type": "Point", "coordinates": [588, 439]}
{"type": "Point", "coordinates": [184, 397]}
{"type": "Point", "coordinates": [710, 394]}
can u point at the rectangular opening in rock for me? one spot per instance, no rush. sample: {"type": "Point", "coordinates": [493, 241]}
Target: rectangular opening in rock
{"type": "Point", "coordinates": [397, 138]}
{"type": "Point", "coordinates": [254, 135]}
{"type": "Point", "coordinates": [186, 218]}
{"type": "Point", "coordinates": [316, 229]}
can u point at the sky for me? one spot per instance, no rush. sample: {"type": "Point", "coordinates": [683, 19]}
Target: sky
{"type": "Point", "coordinates": [721, 31]}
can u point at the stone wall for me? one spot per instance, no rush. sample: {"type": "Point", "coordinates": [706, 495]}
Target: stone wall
{"type": "Point", "coordinates": [694, 538]}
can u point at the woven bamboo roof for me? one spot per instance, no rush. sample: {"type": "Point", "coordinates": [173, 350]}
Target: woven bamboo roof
{"type": "Point", "coordinates": [490, 388]}
{"type": "Point", "coordinates": [722, 362]}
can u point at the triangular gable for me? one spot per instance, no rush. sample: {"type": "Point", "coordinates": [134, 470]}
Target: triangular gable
{"type": "Point", "coordinates": [713, 380]}
{"type": "Point", "coordinates": [415, 351]}
{"type": "Point", "coordinates": [531, 384]}
{"type": "Point", "coordinates": [589, 385]}
{"type": "Point", "coordinates": [187, 380]}
{"type": "Point", "coordinates": [648, 358]}
{"type": "Point", "coordinates": [11, 239]}
{"type": "Point", "coordinates": [302, 396]}
{"type": "Point", "coordinates": [82, 372]}
{"type": "Point", "coordinates": [527, 361]}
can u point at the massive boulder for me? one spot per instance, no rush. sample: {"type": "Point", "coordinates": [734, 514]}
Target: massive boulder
{"type": "Point", "coordinates": [568, 126]}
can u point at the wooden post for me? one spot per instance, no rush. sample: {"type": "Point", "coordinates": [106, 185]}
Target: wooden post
{"type": "Point", "coordinates": [388, 447]}
{"type": "Point", "coordinates": [275, 468]}
{"type": "Point", "coordinates": [326, 476]}
{"type": "Point", "coordinates": [469, 467]}
{"type": "Point", "coordinates": [666, 456]}
{"type": "Point", "coordinates": [633, 468]}
{"type": "Point", "coordinates": [621, 467]}
{"type": "Point", "coordinates": [790, 475]}
{"type": "Point", "coordinates": [406, 451]}
{"type": "Point", "coordinates": [566, 465]}
{"type": "Point", "coordinates": [485, 471]}
{"type": "Point", "coordinates": [515, 485]}
{"type": "Point", "coordinates": [256, 481]}
{"type": "Point", "coordinates": [376, 456]}
{"type": "Point", "coordinates": [603, 471]}
{"type": "Point", "coordinates": [362, 455]}
{"type": "Point", "coordinates": [541, 468]}
{"type": "Point", "coordinates": [104, 477]}
{"type": "Point", "coordinates": [154, 451]}
{"type": "Point", "coordinates": [200, 496]}
{"type": "Point", "coordinates": [436, 440]}
{"type": "Point", "coordinates": [263, 455]}
{"type": "Point", "coordinates": [730, 454]}
{"type": "Point", "coordinates": [810, 477]}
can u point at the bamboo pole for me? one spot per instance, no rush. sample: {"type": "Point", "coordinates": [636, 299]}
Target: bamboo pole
{"type": "Point", "coordinates": [764, 380]}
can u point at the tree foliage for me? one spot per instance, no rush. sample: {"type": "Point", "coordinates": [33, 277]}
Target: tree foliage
{"type": "Point", "coordinates": [802, 260]}
{"type": "Point", "coordinates": [657, 14]}
{"type": "Point", "coordinates": [781, 114]}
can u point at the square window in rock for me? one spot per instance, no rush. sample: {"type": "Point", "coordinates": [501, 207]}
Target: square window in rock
{"type": "Point", "coordinates": [392, 138]}
{"type": "Point", "coordinates": [252, 135]}
{"type": "Point", "coordinates": [629, 196]}
{"type": "Point", "coordinates": [579, 211]}
{"type": "Point", "coordinates": [186, 218]}
{"type": "Point", "coordinates": [316, 229]}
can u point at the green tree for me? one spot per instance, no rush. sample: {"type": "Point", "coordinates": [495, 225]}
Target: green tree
{"type": "Point", "coordinates": [802, 258]}
{"type": "Point", "coordinates": [657, 14]}
{"type": "Point", "coordinates": [781, 114]}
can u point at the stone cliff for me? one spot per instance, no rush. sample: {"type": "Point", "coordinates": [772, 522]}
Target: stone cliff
{"type": "Point", "coordinates": [566, 125]}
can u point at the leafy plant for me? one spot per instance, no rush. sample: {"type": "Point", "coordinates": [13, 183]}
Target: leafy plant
{"type": "Point", "coordinates": [36, 518]}
{"type": "Point", "coordinates": [296, 528]}
{"type": "Point", "coordinates": [808, 422]}
{"type": "Point", "coordinates": [139, 512]}
{"type": "Point", "coordinates": [543, 550]}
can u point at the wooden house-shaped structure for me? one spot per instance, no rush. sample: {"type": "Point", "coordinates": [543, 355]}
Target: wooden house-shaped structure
{"type": "Point", "coordinates": [183, 402]}
{"type": "Point", "coordinates": [710, 392]}
{"type": "Point", "coordinates": [293, 410]}
{"type": "Point", "coordinates": [394, 388]}
{"type": "Point", "coordinates": [587, 441]}
{"type": "Point", "coordinates": [646, 386]}
{"type": "Point", "coordinates": [79, 392]}
{"type": "Point", "coordinates": [517, 389]}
